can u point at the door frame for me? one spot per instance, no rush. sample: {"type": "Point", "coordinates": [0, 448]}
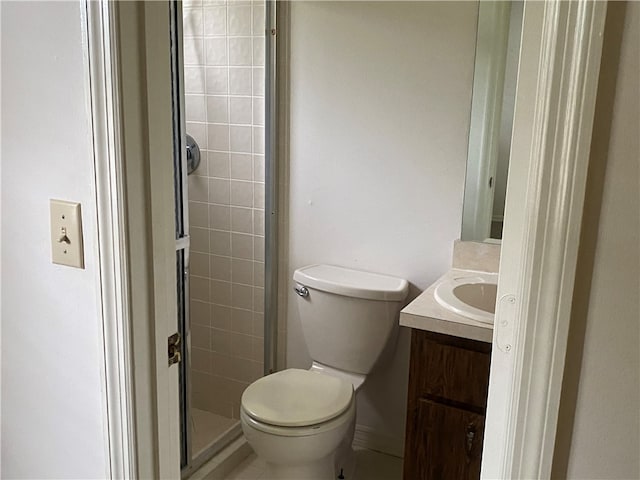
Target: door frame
{"type": "Point", "coordinates": [558, 74]}
{"type": "Point", "coordinates": [128, 47]}
{"type": "Point", "coordinates": [555, 100]}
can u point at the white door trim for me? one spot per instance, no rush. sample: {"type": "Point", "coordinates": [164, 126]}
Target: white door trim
{"type": "Point", "coordinates": [555, 102]}
{"type": "Point", "coordinates": [112, 249]}
{"type": "Point", "coordinates": [129, 57]}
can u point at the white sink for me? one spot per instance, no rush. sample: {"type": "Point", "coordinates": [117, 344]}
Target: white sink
{"type": "Point", "coordinates": [471, 295]}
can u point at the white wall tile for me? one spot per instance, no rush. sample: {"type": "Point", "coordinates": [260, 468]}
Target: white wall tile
{"type": "Point", "coordinates": [192, 24]}
{"type": "Point", "coordinates": [219, 164]}
{"type": "Point", "coordinates": [241, 221]}
{"type": "Point", "coordinates": [215, 20]}
{"type": "Point", "coordinates": [198, 188]}
{"type": "Point", "coordinates": [241, 320]}
{"type": "Point", "coordinates": [258, 299]}
{"type": "Point", "coordinates": [242, 272]}
{"type": "Point", "coordinates": [242, 246]}
{"type": "Point", "coordinates": [240, 80]}
{"type": "Point", "coordinates": [220, 243]}
{"type": "Point", "coordinates": [220, 267]}
{"type": "Point", "coordinates": [240, 110]}
{"type": "Point", "coordinates": [220, 217]}
{"type": "Point", "coordinates": [199, 240]}
{"type": "Point", "coordinates": [193, 49]}
{"type": "Point", "coordinates": [218, 135]}
{"type": "Point", "coordinates": [258, 139]}
{"type": "Point", "coordinates": [200, 312]}
{"type": "Point", "coordinates": [258, 274]}
{"type": "Point", "coordinates": [195, 108]}
{"type": "Point", "coordinates": [194, 79]}
{"type": "Point", "coordinates": [221, 341]}
{"type": "Point", "coordinates": [199, 288]}
{"type": "Point", "coordinates": [240, 138]}
{"type": "Point", "coordinates": [201, 359]}
{"type": "Point", "coordinates": [199, 214]}
{"type": "Point", "coordinates": [258, 168]}
{"type": "Point", "coordinates": [258, 221]}
{"type": "Point", "coordinates": [258, 195]}
{"type": "Point", "coordinates": [218, 109]}
{"type": "Point", "coordinates": [241, 166]}
{"type": "Point", "coordinates": [258, 50]}
{"type": "Point", "coordinates": [215, 50]}
{"type": "Point", "coordinates": [258, 248]}
{"type": "Point", "coordinates": [240, 51]}
{"type": "Point", "coordinates": [258, 111]}
{"type": "Point", "coordinates": [258, 81]}
{"type": "Point", "coordinates": [220, 317]}
{"type": "Point", "coordinates": [220, 292]}
{"type": "Point", "coordinates": [217, 80]}
{"type": "Point", "coordinates": [201, 336]}
{"type": "Point", "coordinates": [219, 191]}
{"type": "Point", "coordinates": [239, 20]}
{"type": "Point", "coordinates": [241, 193]}
{"type": "Point", "coordinates": [199, 132]}
{"type": "Point", "coordinates": [199, 264]}
{"type": "Point", "coordinates": [258, 27]}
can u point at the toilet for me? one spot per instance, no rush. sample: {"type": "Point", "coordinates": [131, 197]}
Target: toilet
{"type": "Point", "coordinates": [302, 422]}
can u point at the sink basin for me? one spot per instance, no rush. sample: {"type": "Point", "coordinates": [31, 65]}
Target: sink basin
{"type": "Point", "coordinates": [472, 296]}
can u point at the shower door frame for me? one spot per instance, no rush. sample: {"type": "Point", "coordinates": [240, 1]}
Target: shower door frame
{"type": "Point", "coordinates": [561, 53]}
{"type": "Point", "coordinates": [189, 463]}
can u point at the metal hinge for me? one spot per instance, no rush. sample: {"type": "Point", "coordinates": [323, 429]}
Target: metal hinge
{"type": "Point", "coordinates": [175, 348]}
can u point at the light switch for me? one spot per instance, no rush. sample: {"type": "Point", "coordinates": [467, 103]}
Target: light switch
{"type": "Point", "coordinates": [66, 234]}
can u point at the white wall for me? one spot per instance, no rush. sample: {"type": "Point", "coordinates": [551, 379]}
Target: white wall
{"type": "Point", "coordinates": [380, 105]}
{"type": "Point", "coordinates": [53, 414]}
{"type": "Point", "coordinates": [599, 424]}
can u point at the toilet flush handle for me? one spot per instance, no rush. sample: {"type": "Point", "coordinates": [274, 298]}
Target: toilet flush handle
{"type": "Point", "coordinates": [302, 291]}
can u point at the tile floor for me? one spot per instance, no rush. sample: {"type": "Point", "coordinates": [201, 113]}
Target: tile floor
{"type": "Point", "coordinates": [206, 428]}
{"type": "Point", "coordinates": [370, 466]}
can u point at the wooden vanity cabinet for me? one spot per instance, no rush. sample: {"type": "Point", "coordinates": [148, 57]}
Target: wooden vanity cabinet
{"type": "Point", "coordinates": [448, 385]}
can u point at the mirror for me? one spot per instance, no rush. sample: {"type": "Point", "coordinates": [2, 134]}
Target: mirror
{"type": "Point", "coordinates": [494, 84]}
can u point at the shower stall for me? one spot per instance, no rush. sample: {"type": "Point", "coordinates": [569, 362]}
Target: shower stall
{"type": "Point", "coordinates": [222, 79]}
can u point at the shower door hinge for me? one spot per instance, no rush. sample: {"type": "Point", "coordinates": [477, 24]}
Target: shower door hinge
{"type": "Point", "coordinates": [175, 348]}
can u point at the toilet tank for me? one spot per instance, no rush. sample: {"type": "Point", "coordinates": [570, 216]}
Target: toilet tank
{"type": "Point", "coordinates": [348, 316]}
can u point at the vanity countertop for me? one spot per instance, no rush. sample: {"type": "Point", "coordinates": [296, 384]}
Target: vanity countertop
{"type": "Point", "coordinates": [425, 313]}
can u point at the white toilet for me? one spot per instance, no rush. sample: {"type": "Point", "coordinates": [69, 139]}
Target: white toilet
{"type": "Point", "coordinates": [302, 422]}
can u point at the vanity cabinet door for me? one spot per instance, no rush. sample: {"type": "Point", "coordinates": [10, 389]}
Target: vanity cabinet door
{"type": "Point", "coordinates": [450, 368]}
{"type": "Point", "coordinates": [448, 382]}
{"type": "Point", "coordinates": [448, 443]}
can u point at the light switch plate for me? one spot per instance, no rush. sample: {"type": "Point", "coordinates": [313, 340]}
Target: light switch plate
{"type": "Point", "coordinates": [66, 234]}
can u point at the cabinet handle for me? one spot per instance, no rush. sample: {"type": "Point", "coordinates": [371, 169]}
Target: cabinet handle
{"type": "Point", "coordinates": [471, 435]}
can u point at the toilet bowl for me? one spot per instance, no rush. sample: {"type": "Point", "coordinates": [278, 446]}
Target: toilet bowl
{"type": "Point", "coordinates": [302, 422]}
{"type": "Point", "coordinates": [296, 420]}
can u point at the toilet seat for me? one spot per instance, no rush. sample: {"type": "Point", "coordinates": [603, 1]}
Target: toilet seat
{"type": "Point", "coordinates": [296, 398]}
{"type": "Point", "coordinates": [335, 423]}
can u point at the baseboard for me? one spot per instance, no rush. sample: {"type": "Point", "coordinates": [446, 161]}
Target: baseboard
{"type": "Point", "coordinates": [367, 437]}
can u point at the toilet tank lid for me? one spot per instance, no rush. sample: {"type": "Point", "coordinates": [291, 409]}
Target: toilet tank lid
{"type": "Point", "coordinates": [352, 283]}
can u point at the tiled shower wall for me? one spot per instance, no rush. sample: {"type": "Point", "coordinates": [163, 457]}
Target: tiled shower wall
{"type": "Point", "coordinates": [224, 87]}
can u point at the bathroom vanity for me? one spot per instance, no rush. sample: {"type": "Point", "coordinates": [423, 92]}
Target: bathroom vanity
{"type": "Point", "coordinates": [448, 383]}
{"type": "Point", "coordinates": [448, 378]}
